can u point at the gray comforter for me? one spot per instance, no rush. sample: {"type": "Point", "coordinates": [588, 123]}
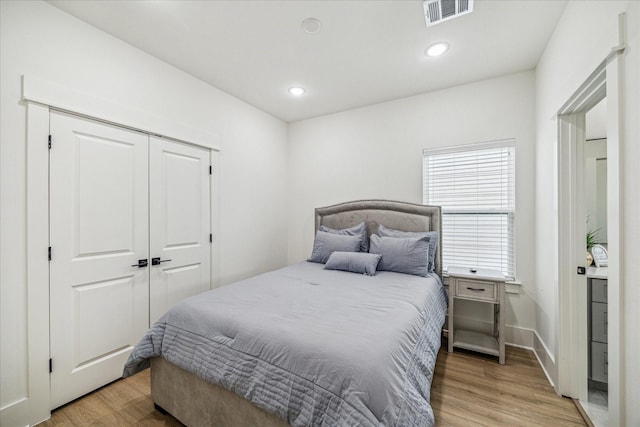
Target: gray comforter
{"type": "Point", "coordinates": [315, 347]}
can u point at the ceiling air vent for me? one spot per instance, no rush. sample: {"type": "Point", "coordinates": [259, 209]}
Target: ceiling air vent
{"type": "Point", "coordinates": [437, 11]}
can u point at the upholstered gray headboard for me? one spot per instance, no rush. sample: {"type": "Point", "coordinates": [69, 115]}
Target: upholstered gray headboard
{"type": "Point", "coordinates": [397, 215]}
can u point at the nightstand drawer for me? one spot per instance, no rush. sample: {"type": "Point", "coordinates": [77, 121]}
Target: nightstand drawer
{"type": "Point", "coordinates": [477, 290]}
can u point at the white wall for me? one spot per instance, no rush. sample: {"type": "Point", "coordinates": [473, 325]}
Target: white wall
{"type": "Point", "coordinates": [376, 152]}
{"type": "Point", "coordinates": [41, 41]}
{"type": "Point", "coordinates": [584, 36]}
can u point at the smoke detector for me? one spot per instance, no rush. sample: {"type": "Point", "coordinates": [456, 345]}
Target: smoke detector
{"type": "Point", "coordinates": [437, 11]}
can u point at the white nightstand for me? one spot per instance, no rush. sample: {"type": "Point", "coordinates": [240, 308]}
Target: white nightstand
{"type": "Point", "coordinates": [485, 286]}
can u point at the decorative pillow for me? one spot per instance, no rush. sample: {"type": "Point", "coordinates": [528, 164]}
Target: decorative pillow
{"type": "Point", "coordinates": [355, 262]}
{"type": "Point", "coordinates": [356, 230]}
{"type": "Point", "coordinates": [431, 235]}
{"type": "Point", "coordinates": [327, 243]}
{"type": "Point", "coordinates": [402, 254]}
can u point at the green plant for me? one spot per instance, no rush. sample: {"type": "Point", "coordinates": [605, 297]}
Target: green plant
{"type": "Point", "coordinates": [592, 237]}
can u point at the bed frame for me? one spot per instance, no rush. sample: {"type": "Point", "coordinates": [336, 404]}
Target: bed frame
{"type": "Point", "coordinates": [196, 402]}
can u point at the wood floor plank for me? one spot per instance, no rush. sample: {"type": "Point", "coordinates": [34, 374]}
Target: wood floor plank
{"type": "Point", "coordinates": [516, 393]}
{"type": "Point", "coordinates": [467, 390]}
{"type": "Point", "coordinates": [447, 415]}
{"type": "Point", "coordinates": [58, 418]}
{"type": "Point", "coordinates": [92, 410]}
{"type": "Point", "coordinates": [130, 403]}
{"type": "Point", "coordinates": [156, 419]}
{"type": "Point", "coordinates": [140, 381]}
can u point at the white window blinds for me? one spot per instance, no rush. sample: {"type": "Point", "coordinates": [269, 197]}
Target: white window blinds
{"type": "Point", "coordinates": [475, 186]}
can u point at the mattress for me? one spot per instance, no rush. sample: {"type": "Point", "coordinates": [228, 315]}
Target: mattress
{"type": "Point", "coordinates": [312, 346]}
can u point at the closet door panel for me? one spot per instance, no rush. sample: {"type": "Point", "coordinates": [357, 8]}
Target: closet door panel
{"type": "Point", "coordinates": [99, 229]}
{"type": "Point", "coordinates": [179, 222]}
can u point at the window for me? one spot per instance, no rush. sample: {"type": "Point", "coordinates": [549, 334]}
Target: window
{"type": "Point", "coordinates": [475, 186]}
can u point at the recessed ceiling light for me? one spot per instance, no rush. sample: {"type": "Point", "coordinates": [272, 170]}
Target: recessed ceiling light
{"type": "Point", "coordinates": [296, 91]}
{"type": "Point", "coordinates": [436, 49]}
{"type": "Point", "coordinates": [311, 25]}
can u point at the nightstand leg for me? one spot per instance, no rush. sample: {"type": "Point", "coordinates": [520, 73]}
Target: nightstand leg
{"type": "Point", "coordinates": [501, 319]}
{"type": "Point", "coordinates": [496, 313]}
{"type": "Point", "coordinates": [450, 314]}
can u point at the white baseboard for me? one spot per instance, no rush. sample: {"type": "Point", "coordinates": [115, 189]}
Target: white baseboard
{"type": "Point", "coordinates": [545, 359]}
{"type": "Point", "coordinates": [15, 413]}
{"type": "Point", "coordinates": [518, 337]}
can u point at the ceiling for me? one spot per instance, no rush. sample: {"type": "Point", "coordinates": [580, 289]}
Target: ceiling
{"type": "Point", "coordinates": [366, 52]}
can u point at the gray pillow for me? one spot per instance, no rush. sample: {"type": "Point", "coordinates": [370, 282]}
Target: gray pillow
{"type": "Point", "coordinates": [402, 254]}
{"type": "Point", "coordinates": [355, 262]}
{"type": "Point", "coordinates": [431, 235]}
{"type": "Point", "coordinates": [327, 243]}
{"type": "Point", "coordinates": [356, 230]}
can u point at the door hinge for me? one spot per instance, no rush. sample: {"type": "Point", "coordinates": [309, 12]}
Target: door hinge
{"type": "Point", "coordinates": [50, 365]}
{"type": "Point", "coordinates": [210, 170]}
{"type": "Point", "coordinates": [49, 253]}
{"type": "Point", "coordinates": [210, 238]}
{"type": "Point", "coordinates": [49, 142]}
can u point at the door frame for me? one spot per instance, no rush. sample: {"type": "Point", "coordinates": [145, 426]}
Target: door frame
{"type": "Point", "coordinates": [40, 97]}
{"type": "Point", "coordinates": [572, 289]}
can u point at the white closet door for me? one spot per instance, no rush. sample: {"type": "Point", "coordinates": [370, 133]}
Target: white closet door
{"type": "Point", "coordinates": [179, 222]}
{"type": "Point", "coordinates": [99, 230]}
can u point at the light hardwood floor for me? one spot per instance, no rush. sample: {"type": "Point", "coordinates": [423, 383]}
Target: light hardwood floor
{"type": "Point", "coordinates": [468, 389]}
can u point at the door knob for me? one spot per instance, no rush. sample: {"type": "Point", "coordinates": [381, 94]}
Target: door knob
{"type": "Point", "coordinates": [157, 261]}
{"type": "Point", "coordinates": [141, 263]}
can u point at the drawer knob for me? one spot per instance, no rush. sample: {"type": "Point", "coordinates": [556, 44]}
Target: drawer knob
{"type": "Point", "coordinates": [475, 289]}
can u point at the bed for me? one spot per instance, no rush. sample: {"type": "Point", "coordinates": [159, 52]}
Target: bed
{"type": "Point", "coordinates": [304, 345]}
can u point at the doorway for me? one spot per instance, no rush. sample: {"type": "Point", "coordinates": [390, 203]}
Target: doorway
{"type": "Point", "coordinates": [595, 404]}
{"type": "Point", "coordinates": [574, 293]}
